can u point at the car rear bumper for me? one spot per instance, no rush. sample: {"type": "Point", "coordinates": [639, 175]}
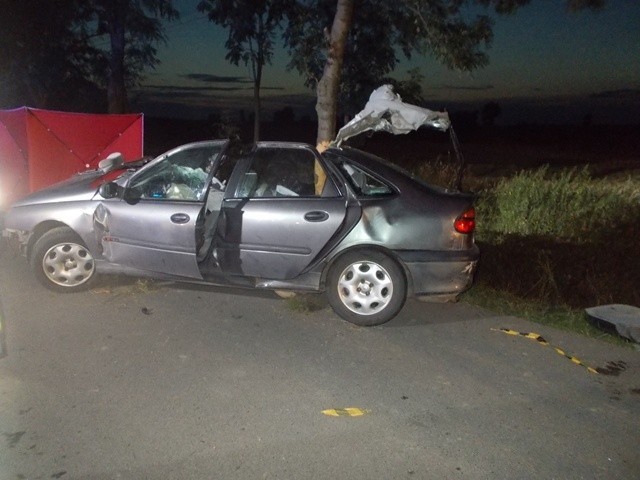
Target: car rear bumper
{"type": "Point", "coordinates": [441, 272]}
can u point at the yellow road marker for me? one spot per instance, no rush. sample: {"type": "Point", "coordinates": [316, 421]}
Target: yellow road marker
{"type": "Point", "coordinates": [540, 339]}
{"type": "Point", "coordinates": [345, 412]}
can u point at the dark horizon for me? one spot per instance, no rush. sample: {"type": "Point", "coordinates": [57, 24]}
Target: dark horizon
{"type": "Point", "coordinates": [603, 108]}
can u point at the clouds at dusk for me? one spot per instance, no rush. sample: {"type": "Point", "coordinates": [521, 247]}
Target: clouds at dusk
{"type": "Point", "coordinates": [545, 64]}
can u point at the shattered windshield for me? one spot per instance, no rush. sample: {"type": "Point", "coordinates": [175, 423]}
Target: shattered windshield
{"type": "Point", "coordinates": [181, 175]}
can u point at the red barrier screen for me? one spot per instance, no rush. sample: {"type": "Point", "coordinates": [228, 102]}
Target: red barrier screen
{"type": "Point", "coordinates": [41, 147]}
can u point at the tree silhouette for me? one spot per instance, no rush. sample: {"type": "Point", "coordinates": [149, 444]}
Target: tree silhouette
{"type": "Point", "coordinates": [252, 25]}
{"type": "Point", "coordinates": [45, 60]}
{"type": "Point", "coordinates": [133, 28]}
{"type": "Point", "coordinates": [325, 37]}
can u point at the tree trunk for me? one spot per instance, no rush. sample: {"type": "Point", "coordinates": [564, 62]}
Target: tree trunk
{"type": "Point", "coordinates": [329, 84]}
{"type": "Point", "coordinates": [116, 91]}
{"type": "Point", "coordinates": [256, 113]}
{"type": "Point", "coordinates": [256, 102]}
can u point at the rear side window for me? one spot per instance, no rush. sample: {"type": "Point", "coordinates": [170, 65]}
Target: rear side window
{"type": "Point", "coordinates": [282, 172]}
{"type": "Point", "coordinates": [363, 183]}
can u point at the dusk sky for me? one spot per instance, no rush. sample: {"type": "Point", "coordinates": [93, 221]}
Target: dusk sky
{"type": "Point", "coordinates": [546, 65]}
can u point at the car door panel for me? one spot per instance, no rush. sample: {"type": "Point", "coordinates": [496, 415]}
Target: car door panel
{"type": "Point", "coordinates": [153, 224]}
{"type": "Point", "coordinates": [270, 237]}
{"type": "Point", "coordinates": [150, 235]}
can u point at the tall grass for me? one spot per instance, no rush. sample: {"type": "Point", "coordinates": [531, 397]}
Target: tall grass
{"type": "Point", "coordinates": [561, 237]}
{"type": "Point", "coordinates": [568, 205]}
{"type": "Point", "coordinates": [556, 242]}
{"type": "Point", "coordinates": [440, 171]}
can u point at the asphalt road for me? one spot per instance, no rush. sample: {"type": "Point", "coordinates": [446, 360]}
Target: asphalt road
{"type": "Point", "coordinates": [153, 381]}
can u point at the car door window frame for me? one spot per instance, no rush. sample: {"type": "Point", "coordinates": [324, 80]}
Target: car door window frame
{"type": "Point", "coordinates": [244, 174]}
{"type": "Point", "coordinates": [187, 193]}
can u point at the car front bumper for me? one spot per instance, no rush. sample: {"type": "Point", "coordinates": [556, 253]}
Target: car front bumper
{"type": "Point", "coordinates": [16, 240]}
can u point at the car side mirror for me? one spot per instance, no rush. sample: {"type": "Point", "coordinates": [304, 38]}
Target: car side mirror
{"type": "Point", "coordinates": [108, 190]}
{"type": "Point", "coordinates": [132, 195]}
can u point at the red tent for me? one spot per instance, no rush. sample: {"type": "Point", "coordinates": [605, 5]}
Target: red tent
{"type": "Point", "coordinates": [41, 147]}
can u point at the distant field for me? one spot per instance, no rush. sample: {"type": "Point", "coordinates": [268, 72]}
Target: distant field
{"type": "Point", "coordinates": [501, 151]}
{"type": "Point", "coordinates": [496, 149]}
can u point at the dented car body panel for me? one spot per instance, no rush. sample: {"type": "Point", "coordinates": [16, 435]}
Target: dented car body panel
{"type": "Point", "coordinates": [123, 232]}
{"type": "Point", "coordinates": [278, 217]}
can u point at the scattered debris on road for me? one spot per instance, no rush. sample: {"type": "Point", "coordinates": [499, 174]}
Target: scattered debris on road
{"type": "Point", "coordinates": [625, 319]}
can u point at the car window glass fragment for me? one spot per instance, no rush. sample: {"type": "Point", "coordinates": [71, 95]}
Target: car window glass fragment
{"type": "Point", "coordinates": [363, 183]}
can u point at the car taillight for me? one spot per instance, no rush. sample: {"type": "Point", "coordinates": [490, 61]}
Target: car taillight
{"type": "Point", "coordinates": [466, 223]}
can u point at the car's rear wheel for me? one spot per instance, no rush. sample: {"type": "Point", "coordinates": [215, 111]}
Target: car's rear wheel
{"type": "Point", "coordinates": [366, 287]}
{"type": "Point", "coordinates": [61, 262]}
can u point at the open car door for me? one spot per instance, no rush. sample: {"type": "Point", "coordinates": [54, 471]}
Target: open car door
{"type": "Point", "coordinates": [152, 224]}
{"type": "Point", "coordinates": [279, 212]}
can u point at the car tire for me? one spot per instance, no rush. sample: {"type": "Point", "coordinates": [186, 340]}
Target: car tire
{"type": "Point", "coordinates": [61, 262]}
{"type": "Point", "coordinates": [366, 287]}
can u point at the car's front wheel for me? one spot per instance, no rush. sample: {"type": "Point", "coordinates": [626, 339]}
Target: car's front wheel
{"type": "Point", "coordinates": [366, 287]}
{"type": "Point", "coordinates": [61, 262]}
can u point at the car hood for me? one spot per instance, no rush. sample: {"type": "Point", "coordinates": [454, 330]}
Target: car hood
{"type": "Point", "coordinates": [82, 186]}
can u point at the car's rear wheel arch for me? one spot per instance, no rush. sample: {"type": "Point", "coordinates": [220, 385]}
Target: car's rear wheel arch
{"type": "Point", "coordinates": [371, 248]}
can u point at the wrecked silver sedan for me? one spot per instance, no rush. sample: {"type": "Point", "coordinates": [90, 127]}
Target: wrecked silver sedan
{"type": "Point", "coordinates": [280, 217]}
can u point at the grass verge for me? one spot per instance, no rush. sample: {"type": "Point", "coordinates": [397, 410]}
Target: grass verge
{"type": "Point", "coordinates": [305, 303]}
{"type": "Point", "coordinates": [561, 317]}
{"type": "Point", "coordinates": [555, 242]}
